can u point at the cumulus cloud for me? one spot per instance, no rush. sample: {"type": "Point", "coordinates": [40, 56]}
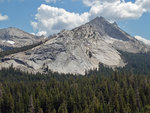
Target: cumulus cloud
{"type": "Point", "coordinates": [40, 33]}
{"type": "Point", "coordinates": [93, 2]}
{"type": "Point", "coordinates": [117, 9]}
{"type": "Point", "coordinates": [114, 9]}
{"type": "Point", "coordinates": [143, 40]}
{"type": "Point", "coordinates": [52, 20]}
{"type": "Point", "coordinates": [32, 33]}
{"type": "Point", "coordinates": [145, 4]}
{"type": "Point", "coordinates": [3, 17]}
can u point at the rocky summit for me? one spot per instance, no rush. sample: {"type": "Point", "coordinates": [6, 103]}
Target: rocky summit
{"type": "Point", "coordinates": [15, 38]}
{"type": "Point", "coordinates": [78, 50]}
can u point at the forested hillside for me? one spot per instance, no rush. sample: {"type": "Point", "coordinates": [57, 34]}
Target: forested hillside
{"type": "Point", "coordinates": [117, 92]}
{"type": "Point", "coordinates": [125, 90]}
{"type": "Point", "coordinates": [138, 63]}
{"type": "Point", "coordinates": [17, 50]}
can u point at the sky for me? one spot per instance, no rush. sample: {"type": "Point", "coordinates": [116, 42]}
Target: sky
{"type": "Point", "coordinates": [51, 16]}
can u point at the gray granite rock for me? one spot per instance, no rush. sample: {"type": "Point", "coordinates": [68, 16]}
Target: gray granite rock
{"type": "Point", "coordinates": [78, 50]}
{"type": "Point", "coordinates": [15, 38]}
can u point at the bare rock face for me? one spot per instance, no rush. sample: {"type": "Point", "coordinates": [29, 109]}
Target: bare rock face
{"type": "Point", "coordinates": [78, 50]}
{"type": "Point", "coordinates": [116, 37]}
{"type": "Point", "coordinates": [15, 38]}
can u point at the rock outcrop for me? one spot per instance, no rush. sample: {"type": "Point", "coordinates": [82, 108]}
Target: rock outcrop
{"type": "Point", "coordinates": [78, 50]}
{"type": "Point", "coordinates": [15, 38]}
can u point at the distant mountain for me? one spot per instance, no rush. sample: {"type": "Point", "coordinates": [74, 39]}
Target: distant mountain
{"type": "Point", "coordinates": [79, 50]}
{"type": "Point", "coordinates": [15, 38]}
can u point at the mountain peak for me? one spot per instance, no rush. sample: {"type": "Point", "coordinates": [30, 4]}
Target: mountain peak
{"type": "Point", "coordinates": [13, 37]}
{"type": "Point", "coordinates": [11, 28]}
{"type": "Point", "coordinates": [98, 20]}
{"type": "Point", "coordinates": [14, 31]}
{"type": "Point", "coordinates": [105, 28]}
{"type": "Point", "coordinates": [115, 24]}
{"type": "Point", "coordinates": [76, 51]}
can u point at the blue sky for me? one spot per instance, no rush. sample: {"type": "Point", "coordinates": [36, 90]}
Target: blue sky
{"type": "Point", "coordinates": [132, 16]}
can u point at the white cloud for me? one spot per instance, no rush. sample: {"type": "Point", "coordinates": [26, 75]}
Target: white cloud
{"type": "Point", "coordinates": [52, 1]}
{"type": "Point", "coordinates": [32, 33]}
{"type": "Point", "coordinates": [145, 4]}
{"type": "Point", "coordinates": [34, 25]}
{"type": "Point", "coordinates": [114, 9]}
{"type": "Point", "coordinates": [143, 40]}
{"type": "Point", "coordinates": [40, 33]}
{"type": "Point", "coordinates": [117, 9]}
{"type": "Point", "coordinates": [52, 19]}
{"type": "Point", "coordinates": [94, 2]}
{"type": "Point", "coordinates": [3, 17]}
{"type": "Point", "coordinates": [48, 1]}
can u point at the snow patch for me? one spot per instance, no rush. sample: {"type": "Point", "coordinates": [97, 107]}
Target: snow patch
{"type": "Point", "coordinates": [8, 41]}
{"type": "Point", "coordinates": [110, 40]}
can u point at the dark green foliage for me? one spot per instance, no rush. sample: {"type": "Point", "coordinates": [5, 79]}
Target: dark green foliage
{"type": "Point", "coordinates": [138, 63]}
{"type": "Point", "coordinates": [17, 50]}
{"type": "Point", "coordinates": [103, 90]}
{"type": "Point", "coordinates": [53, 93]}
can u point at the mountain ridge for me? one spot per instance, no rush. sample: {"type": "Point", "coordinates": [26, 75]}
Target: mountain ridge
{"type": "Point", "coordinates": [78, 50]}
{"type": "Point", "coordinates": [15, 38]}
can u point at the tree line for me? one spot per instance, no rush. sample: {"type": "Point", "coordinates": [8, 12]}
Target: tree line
{"type": "Point", "coordinates": [115, 92]}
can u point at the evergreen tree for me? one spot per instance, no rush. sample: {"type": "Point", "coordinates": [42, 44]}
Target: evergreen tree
{"type": "Point", "coordinates": [63, 108]}
{"type": "Point", "coordinates": [31, 105]}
